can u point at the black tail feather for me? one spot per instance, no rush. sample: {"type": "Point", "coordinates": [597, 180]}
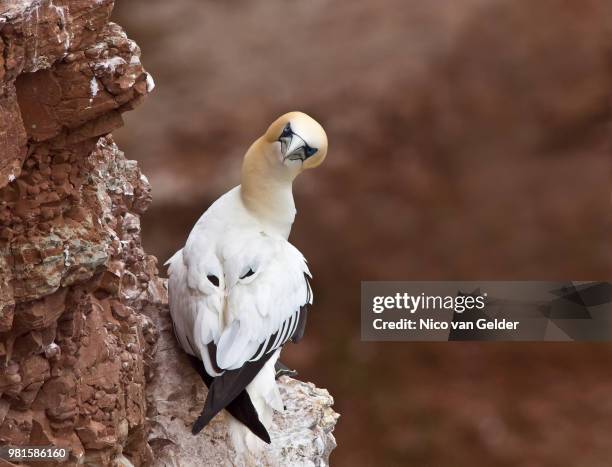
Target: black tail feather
{"type": "Point", "coordinates": [227, 392]}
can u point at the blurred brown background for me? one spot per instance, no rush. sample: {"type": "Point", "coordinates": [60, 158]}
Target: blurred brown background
{"type": "Point", "coordinates": [468, 140]}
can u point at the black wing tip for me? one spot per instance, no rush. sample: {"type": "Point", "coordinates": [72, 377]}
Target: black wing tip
{"type": "Point", "coordinates": [198, 426]}
{"type": "Point", "coordinates": [266, 439]}
{"type": "Point", "coordinates": [204, 419]}
{"type": "Point", "coordinates": [260, 432]}
{"type": "Point", "coordinates": [227, 391]}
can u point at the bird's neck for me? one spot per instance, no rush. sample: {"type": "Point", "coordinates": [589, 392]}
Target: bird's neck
{"type": "Point", "coordinates": [266, 191]}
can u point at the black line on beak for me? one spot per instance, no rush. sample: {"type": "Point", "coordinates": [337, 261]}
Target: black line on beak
{"type": "Point", "coordinates": [301, 153]}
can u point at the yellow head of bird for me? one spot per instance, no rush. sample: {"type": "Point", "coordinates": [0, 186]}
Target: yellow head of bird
{"type": "Point", "coordinates": [299, 141]}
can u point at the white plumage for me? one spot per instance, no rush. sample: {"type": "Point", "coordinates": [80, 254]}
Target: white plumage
{"type": "Point", "coordinates": [240, 313]}
{"type": "Point", "coordinates": [238, 289]}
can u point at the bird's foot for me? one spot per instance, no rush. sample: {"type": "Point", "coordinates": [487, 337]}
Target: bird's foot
{"type": "Point", "coordinates": [283, 370]}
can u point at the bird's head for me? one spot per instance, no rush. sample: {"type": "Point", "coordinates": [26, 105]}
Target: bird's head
{"type": "Point", "coordinates": [296, 141]}
{"type": "Point", "coordinates": [293, 143]}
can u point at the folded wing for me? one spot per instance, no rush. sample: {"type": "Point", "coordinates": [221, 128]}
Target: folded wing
{"type": "Point", "coordinates": [266, 304]}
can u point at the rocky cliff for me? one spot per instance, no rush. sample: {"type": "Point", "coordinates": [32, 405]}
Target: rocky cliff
{"type": "Point", "coordinates": [301, 435]}
{"type": "Point", "coordinates": [76, 347]}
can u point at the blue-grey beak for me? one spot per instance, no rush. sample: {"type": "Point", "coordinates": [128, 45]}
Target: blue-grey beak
{"type": "Point", "coordinates": [293, 147]}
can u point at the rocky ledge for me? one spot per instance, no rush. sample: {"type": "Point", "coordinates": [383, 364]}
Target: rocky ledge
{"type": "Point", "coordinates": [301, 435]}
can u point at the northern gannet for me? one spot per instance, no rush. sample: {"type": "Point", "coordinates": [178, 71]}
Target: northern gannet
{"type": "Point", "coordinates": [238, 290]}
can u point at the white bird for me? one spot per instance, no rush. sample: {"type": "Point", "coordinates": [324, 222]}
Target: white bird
{"type": "Point", "coordinates": [238, 290]}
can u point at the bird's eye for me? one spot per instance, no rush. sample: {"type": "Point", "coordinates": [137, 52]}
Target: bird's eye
{"type": "Point", "coordinates": [213, 279]}
{"type": "Point", "coordinates": [310, 151]}
{"type": "Point", "coordinates": [249, 273]}
{"type": "Point", "coordinates": [286, 131]}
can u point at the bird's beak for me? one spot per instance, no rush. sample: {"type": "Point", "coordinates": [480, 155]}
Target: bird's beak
{"type": "Point", "coordinates": [294, 148]}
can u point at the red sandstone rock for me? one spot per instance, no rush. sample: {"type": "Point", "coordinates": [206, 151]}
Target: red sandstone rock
{"type": "Point", "coordinates": [73, 275]}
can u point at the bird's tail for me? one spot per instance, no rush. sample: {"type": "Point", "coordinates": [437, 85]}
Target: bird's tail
{"type": "Point", "coordinates": [266, 398]}
{"type": "Point", "coordinates": [241, 408]}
